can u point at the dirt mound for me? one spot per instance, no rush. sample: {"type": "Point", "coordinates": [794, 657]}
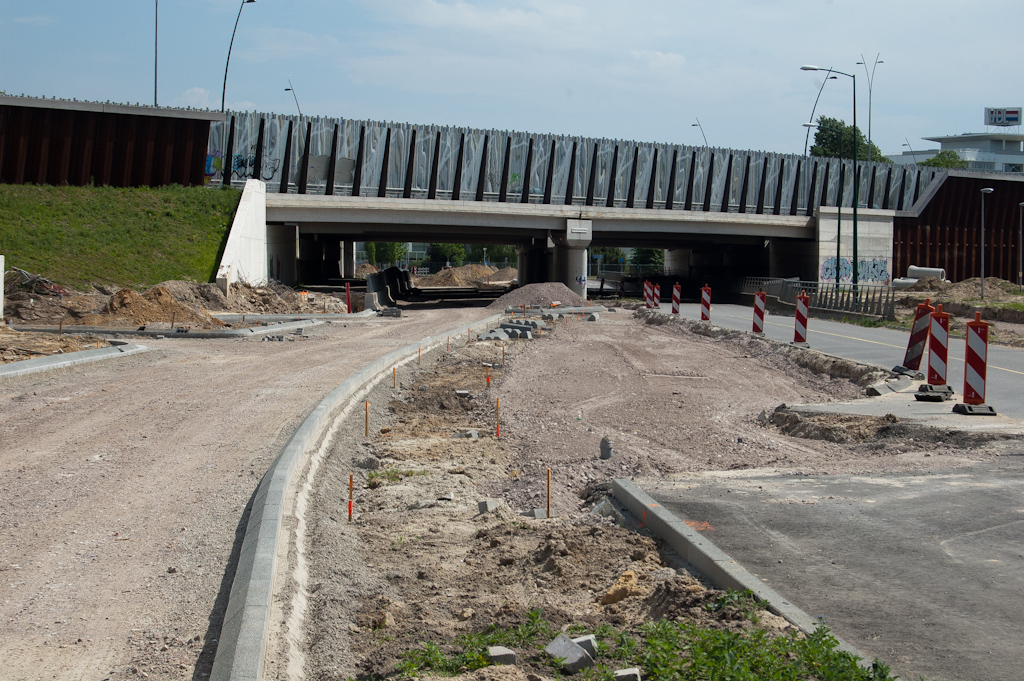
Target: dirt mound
{"type": "Point", "coordinates": [204, 295]}
{"type": "Point", "coordinates": [929, 284]}
{"type": "Point", "coordinates": [365, 269]}
{"type": "Point", "coordinates": [504, 275]}
{"type": "Point", "coordinates": [128, 308]}
{"type": "Point", "coordinates": [466, 275]}
{"type": "Point", "coordinates": [539, 294]}
{"type": "Point", "coordinates": [278, 299]}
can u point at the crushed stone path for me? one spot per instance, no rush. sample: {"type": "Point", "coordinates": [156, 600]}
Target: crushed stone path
{"type": "Point", "coordinates": [123, 485]}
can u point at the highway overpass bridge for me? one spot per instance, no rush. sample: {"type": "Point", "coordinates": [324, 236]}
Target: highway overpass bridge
{"type": "Point", "coordinates": [314, 186]}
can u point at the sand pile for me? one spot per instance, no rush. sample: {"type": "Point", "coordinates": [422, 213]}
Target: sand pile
{"type": "Point", "coordinates": [929, 284]}
{"type": "Point", "coordinates": [365, 269]}
{"type": "Point", "coordinates": [466, 275]}
{"type": "Point", "coordinates": [505, 274]}
{"type": "Point", "coordinates": [128, 308]}
{"type": "Point", "coordinates": [539, 294]}
{"type": "Point", "coordinates": [278, 299]}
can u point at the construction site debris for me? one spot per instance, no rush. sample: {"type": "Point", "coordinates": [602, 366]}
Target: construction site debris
{"type": "Point", "coordinates": [20, 345]}
{"type": "Point", "coordinates": [542, 294]}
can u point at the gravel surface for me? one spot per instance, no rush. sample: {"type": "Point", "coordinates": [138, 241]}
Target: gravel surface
{"type": "Point", "coordinates": [420, 564]}
{"type": "Point", "coordinates": [123, 485]}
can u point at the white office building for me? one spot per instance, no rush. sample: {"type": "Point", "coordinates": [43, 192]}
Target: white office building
{"type": "Point", "coordinates": [998, 151]}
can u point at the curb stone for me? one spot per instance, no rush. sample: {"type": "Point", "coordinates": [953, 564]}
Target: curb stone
{"type": "Point", "coordinates": [31, 366]}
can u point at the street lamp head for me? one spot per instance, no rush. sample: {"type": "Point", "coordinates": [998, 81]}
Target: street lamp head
{"type": "Point", "coordinates": [808, 67]}
{"type": "Point", "coordinates": [987, 190]}
{"type": "Point", "coordinates": [810, 125]}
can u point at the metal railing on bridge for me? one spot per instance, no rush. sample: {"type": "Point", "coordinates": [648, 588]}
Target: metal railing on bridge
{"type": "Point", "coordinates": [867, 299]}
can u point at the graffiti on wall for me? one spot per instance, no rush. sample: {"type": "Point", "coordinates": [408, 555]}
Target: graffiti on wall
{"type": "Point", "coordinates": [875, 270]}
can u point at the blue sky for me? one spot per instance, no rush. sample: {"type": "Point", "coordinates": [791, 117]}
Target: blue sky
{"type": "Point", "coordinates": [641, 70]}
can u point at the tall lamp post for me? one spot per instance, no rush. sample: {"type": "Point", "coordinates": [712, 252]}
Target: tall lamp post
{"type": "Point", "coordinates": [986, 190]}
{"type": "Point", "coordinates": [1020, 250]}
{"type": "Point", "coordinates": [856, 178]}
{"type": "Point", "coordinates": [698, 125]}
{"type": "Point", "coordinates": [224, 91]}
{"type": "Point", "coordinates": [907, 145]}
{"type": "Point", "coordinates": [871, 82]}
{"type": "Point", "coordinates": [156, 34]}
{"type": "Point", "coordinates": [810, 123]}
{"type": "Point", "coordinates": [291, 89]}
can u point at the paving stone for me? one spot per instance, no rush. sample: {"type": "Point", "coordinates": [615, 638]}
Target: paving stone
{"type": "Point", "coordinates": [501, 655]}
{"type": "Point", "coordinates": [588, 643]}
{"type": "Point", "coordinates": [574, 657]}
{"type": "Point", "coordinates": [630, 674]}
{"type": "Point", "coordinates": [593, 317]}
{"type": "Point", "coordinates": [489, 506]}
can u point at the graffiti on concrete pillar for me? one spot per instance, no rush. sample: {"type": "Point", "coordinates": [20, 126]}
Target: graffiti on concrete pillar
{"type": "Point", "coordinates": [875, 270]}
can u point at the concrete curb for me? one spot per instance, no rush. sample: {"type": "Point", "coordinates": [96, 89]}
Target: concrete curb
{"type": "Point", "coordinates": [233, 317]}
{"type": "Point", "coordinates": [31, 366]}
{"type": "Point", "coordinates": [246, 628]}
{"type": "Point", "coordinates": [700, 552]}
{"type": "Point", "coordinates": [249, 332]}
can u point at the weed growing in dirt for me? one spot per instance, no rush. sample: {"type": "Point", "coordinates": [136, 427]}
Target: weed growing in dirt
{"type": "Point", "coordinates": [745, 601]}
{"type": "Point", "coordinates": [377, 478]}
{"type": "Point", "coordinates": [665, 650]}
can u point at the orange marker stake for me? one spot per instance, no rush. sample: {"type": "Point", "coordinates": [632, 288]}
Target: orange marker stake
{"type": "Point", "coordinates": [498, 417]}
{"type": "Point", "coordinates": [419, 357]}
{"type": "Point", "coordinates": [394, 377]}
{"type": "Point", "coordinates": [549, 492]}
{"type": "Point", "coordinates": [469, 335]}
{"type": "Point", "coordinates": [350, 497]}
{"type": "Point", "coordinates": [502, 354]}
{"type": "Point", "coordinates": [367, 419]}
{"type": "Point", "coordinates": [448, 348]}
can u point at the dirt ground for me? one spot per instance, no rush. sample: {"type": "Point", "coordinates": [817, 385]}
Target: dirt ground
{"type": "Point", "coordinates": [19, 345]}
{"type": "Point", "coordinates": [123, 485]}
{"type": "Point", "coordinates": [468, 275]}
{"type": "Point", "coordinates": [419, 563]}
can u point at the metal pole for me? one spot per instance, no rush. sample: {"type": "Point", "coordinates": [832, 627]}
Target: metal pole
{"type": "Point", "coordinates": [227, 63]}
{"type": "Point", "coordinates": [839, 214]}
{"type": "Point", "coordinates": [871, 85]}
{"type": "Point", "coordinates": [1020, 251]}
{"type": "Point", "coordinates": [807, 137]}
{"type": "Point", "coordinates": [856, 183]}
{"type": "Point", "coordinates": [291, 88]}
{"type": "Point", "coordinates": [156, 35]}
{"type": "Point", "coordinates": [698, 125]}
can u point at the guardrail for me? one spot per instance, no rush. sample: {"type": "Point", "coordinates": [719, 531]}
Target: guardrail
{"type": "Point", "coordinates": [867, 299]}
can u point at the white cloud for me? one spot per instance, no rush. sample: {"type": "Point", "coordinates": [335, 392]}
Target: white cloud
{"type": "Point", "coordinates": [197, 98]}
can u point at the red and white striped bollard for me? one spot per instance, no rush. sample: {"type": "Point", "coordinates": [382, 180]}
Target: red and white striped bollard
{"type": "Point", "coordinates": [705, 303]}
{"type": "Point", "coordinates": [677, 292]}
{"type": "Point", "coordinates": [938, 346]}
{"type": "Point", "coordinates": [759, 305]}
{"type": "Point", "coordinates": [657, 296]}
{"type": "Point", "coordinates": [918, 335]}
{"type": "Point", "coordinates": [976, 361]}
{"type": "Point", "coordinates": [803, 304]}
{"type": "Point", "coordinates": [647, 294]}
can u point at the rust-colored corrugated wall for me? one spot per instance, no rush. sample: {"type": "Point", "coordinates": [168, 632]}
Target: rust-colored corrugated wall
{"type": "Point", "coordinates": [947, 233]}
{"type": "Point", "coordinates": [63, 146]}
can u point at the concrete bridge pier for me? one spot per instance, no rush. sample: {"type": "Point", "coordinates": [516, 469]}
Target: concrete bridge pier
{"type": "Point", "coordinates": [533, 263]}
{"type": "Point", "coordinates": [348, 259]}
{"type": "Point", "coordinates": [571, 255]}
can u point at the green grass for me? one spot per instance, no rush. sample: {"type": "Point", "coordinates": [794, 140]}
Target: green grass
{"type": "Point", "coordinates": [665, 651]}
{"type": "Point", "coordinates": [77, 236]}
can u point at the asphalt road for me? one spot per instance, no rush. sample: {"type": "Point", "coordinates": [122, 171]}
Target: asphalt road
{"type": "Point", "coordinates": [923, 571]}
{"type": "Point", "coordinates": [884, 348]}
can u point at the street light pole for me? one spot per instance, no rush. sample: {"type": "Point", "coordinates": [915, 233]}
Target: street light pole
{"type": "Point", "coordinates": [810, 123]}
{"type": "Point", "coordinates": [871, 83]}
{"type": "Point", "coordinates": [986, 190]}
{"type": "Point", "coordinates": [907, 145]}
{"type": "Point", "coordinates": [291, 89]}
{"type": "Point", "coordinates": [698, 125]}
{"type": "Point", "coordinates": [1020, 250]}
{"type": "Point", "coordinates": [224, 91]}
{"type": "Point", "coordinates": [856, 178]}
{"type": "Point", "coordinates": [156, 35]}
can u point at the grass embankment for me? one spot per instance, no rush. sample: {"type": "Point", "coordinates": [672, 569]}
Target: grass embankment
{"type": "Point", "coordinates": [77, 236]}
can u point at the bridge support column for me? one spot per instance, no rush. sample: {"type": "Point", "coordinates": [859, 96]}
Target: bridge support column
{"type": "Point", "coordinates": [348, 259]}
{"type": "Point", "coordinates": [571, 255]}
{"type": "Point", "coordinates": [677, 261]}
{"type": "Point", "coordinates": [533, 264]}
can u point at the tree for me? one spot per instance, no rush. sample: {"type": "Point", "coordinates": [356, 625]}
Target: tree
{"type": "Point", "coordinates": [947, 158]}
{"type": "Point", "coordinates": [612, 254]}
{"type": "Point", "coordinates": [834, 136]}
{"type": "Point", "coordinates": [648, 256]}
{"type": "Point", "coordinates": [495, 253]}
{"type": "Point", "coordinates": [391, 251]}
{"type": "Point", "coordinates": [453, 253]}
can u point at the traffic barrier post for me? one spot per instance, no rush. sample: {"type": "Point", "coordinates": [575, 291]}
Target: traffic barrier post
{"type": "Point", "coordinates": [705, 303]}
{"type": "Point", "coordinates": [759, 305]}
{"type": "Point", "coordinates": [918, 335]}
{"type": "Point", "coordinates": [676, 295]}
{"type": "Point", "coordinates": [657, 296]}
{"type": "Point", "coordinates": [938, 346]}
{"type": "Point", "coordinates": [976, 361]}
{"type": "Point", "coordinates": [800, 324]}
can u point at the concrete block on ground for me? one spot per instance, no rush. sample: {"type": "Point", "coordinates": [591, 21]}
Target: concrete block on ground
{"type": "Point", "coordinates": [462, 393]}
{"type": "Point", "coordinates": [539, 514]}
{"type": "Point", "coordinates": [390, 312]}
{"type": "Point", "coordinates": [588, 643]}
{"type": "Point", "coordinates": [606, 509]}
{"type": "Point", "coordinates": [490, 506]}
{"type": "Point", "coordinates": [501, 655]}
{"type": "Point", "coordinates": [593, 317]}
{"type": "Point", "coordinates": [573, 656]}
{"type": "Point", "coordinates": [630, 674]}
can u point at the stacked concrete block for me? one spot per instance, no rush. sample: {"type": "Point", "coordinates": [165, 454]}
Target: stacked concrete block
{"type": "Point", "coordinates": [495, 334]}
{"type": "Point", "coordinates": [630, 674]}
{"type": "Point", "coordinates": [501, 655]}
